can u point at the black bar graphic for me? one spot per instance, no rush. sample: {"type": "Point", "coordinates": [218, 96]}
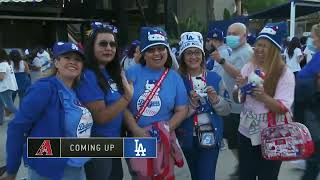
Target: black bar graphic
{"type": "Point", "coordinates": [91, 147]}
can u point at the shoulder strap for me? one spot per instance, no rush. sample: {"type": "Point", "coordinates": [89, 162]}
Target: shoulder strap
{"type": "Point", "coordinates": [151, 94]}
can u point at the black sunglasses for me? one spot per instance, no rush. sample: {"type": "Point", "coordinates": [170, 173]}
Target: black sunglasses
{"type": "Point", "coordinates": [112, 44]}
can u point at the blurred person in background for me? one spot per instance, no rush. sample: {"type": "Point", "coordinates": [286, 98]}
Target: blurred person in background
{"type": "Point", "coordinates": [21, 72]}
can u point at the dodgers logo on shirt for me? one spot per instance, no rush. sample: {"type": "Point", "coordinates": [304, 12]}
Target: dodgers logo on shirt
{"type": "Point", "coordinates": [113, 86]}
{"type": "Point", "coordinates": [154, 105]}
{"type": "Point", "coordinates": [85, 123]}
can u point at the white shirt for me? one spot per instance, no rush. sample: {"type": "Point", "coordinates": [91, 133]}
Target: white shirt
{"type": "Point", "coordinates": [9, 82]}
{"type": "Point", "coordinates": [239, 57]}
{"type": "Point", "coordinates": [21, 66]}
{"type": "Point", "coordinates": [309, 54]}
{"type": "Point", "coordinates": [294, 62]}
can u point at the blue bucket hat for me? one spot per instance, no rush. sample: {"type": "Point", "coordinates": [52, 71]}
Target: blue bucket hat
{"type": "Point", "coordinates": [60, 48]}
{"type": "Point", "coordinates": [274, 33]}
{"type": "Point", "coordinates": [216, 34]}
{"type": "Point", "coordinates": [152, 36]}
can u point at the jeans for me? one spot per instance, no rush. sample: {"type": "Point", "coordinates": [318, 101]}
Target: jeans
{"type": "Point", "coordinates": [252, 164]}
{"type": "Point", "coordinates": [202, 162]}
{"type": "Point", "coordinates": [6, 101]}
{"type": "Point", "coordinates": [70, 173]}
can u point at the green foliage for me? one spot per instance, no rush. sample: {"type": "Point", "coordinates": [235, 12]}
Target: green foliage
{"type": "Point", "coordinates": [226, 14]}
{"type": "Point", "coordinates": [258, 5]}
{"type": "Point", "coordinates": [191, 23]}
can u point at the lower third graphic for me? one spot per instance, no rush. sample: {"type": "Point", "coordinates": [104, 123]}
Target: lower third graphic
{"type": "Point", "coordinates": [140, 147]}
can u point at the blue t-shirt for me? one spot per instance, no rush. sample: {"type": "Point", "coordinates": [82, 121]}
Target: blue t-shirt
{"type": "Point", "coordinates": [311, 69]}
{"type": "Point", "coordinates": [172, 93]}
{"type": "Point", "coordinates": [77, 122]}
{"type": "Point", "coordinates": [90, 91]}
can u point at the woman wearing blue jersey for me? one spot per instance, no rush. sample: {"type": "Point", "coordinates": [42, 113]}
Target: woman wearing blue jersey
{"type": "Point", "coordinates": [200, 134]}
{"type": "Point", "coordinates": [50, 108]}
{"type": "Point", "coordinates": [106, 93]}
{"type": "Point", "coordinates": [168, 105]}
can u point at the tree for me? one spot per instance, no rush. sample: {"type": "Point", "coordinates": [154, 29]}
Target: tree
{"type": "Point", "coordinates": [255, 5]}
{"type": "Point", "coordinates": [238, 7]}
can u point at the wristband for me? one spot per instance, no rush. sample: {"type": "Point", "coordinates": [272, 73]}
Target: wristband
{"type": "Point", "coordinates": [222, 61]}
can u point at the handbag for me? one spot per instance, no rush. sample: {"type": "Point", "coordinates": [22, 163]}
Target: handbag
{"type": "Point", "coordinates": [206, 135]}
{"type": "Point", "coordinates": [288, 141]}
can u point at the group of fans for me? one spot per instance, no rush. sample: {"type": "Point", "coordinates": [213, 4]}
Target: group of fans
{"type": "Point", "coordinates": [194, 97]}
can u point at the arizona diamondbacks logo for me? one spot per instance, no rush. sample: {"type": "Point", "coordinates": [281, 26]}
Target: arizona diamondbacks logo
{"type": "Point", "coordinates": [155, 103]}
{"type": "Point", "coordinates": [139, 149]}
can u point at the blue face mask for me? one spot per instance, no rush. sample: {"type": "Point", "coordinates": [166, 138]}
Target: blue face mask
{"type": "Point", "coordinates": [233, 41]}
{"type": "Point", "coordinates": [310, 45]}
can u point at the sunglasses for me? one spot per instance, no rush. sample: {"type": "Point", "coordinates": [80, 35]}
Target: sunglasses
{"type": "Point", "coordinates": [112, 44]}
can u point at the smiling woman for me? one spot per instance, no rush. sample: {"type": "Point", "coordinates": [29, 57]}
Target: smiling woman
{"type": "Point", "coordinates": [163, 110]}
{"type": "Point", "coordinates": [58, 113]}
{"type": "Point", "coordinates": [105, 91]}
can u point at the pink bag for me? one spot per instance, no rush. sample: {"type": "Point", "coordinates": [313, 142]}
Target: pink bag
{"type": "Point", "coordinates": [168, 154]}
{"type": "Point", "coordinates": [288, 141]}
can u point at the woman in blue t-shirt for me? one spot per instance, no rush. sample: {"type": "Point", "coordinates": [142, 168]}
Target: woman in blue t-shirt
{"type": "Point", "coordinates": [51, 108]}
{"type": "Point", "coordinates": [105, 91]}
{"type": "Point", "coordinates": [200, 135]}
{"type": "Point", "coordinates": [169, 103]}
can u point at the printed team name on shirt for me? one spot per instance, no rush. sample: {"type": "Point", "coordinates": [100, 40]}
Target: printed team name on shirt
{"type": "Point", "coordinates": [85, 123]}
{"type": "Point", "coordinates": [154, 105]}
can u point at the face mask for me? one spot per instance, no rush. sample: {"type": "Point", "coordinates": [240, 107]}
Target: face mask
{"type": "Point", "coordinates": [233, 41]}
{"type": "Point", "coordinates": [310, 45]}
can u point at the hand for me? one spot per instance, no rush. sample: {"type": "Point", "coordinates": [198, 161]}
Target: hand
{"type": "Point", "coordinates": [241, 81]}
{"type": "Point", "coordinates": [127, 87]}
{"type": "Point", "coordinates": [194, 98]}
{"type": "Point", "coordinates": [216, 56]}
{"type": "Point", "coordinates": [212, 94]}
{"type": "Point", "coordinates": [140, 132]}
{"type": "Point", "coordinates": [258, 93]}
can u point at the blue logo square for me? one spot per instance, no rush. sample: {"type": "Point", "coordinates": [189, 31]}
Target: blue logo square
{"type": "Point", "coordinates": [140, 147]}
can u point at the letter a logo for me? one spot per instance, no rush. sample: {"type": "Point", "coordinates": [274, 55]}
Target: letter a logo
{"type": "Point", "coordinates": [45, 149]}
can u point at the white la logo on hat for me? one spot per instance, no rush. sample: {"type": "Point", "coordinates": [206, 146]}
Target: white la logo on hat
{"type": "Point", "coordinates": [74, 47]}
{"type": "Point", "coordinates": [191, 39]}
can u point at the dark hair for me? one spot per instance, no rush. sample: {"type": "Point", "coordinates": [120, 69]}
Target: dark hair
{"type": "Point", "coordinates": [3, 55]}
{"type": "Point", "coordinates": [294, 43]}
{"type": "Point", "coordinates": [131, 50]}
{"type": "Point", "coordinates": [92, 63]}
{"type": "Point", "coordinates": [15, 56]}
{"type": "Point", "coordinates": [183, 67]}
{"type": "Point", "coordinates": [168, 63]}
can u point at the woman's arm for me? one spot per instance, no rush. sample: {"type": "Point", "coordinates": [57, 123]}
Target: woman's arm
{"type": "Point", "coordinates": [132, 125]}
{"type": "Point", "coordinates": [223, 105]}
{"type": "Point", "coordinates": [2, 76]}
{"type": "Point", "coordinates": [26, 67]}
{"type": "Point", "coordinates": [180, 113]}
{"type": "Point", "coordinates": [103, 113]}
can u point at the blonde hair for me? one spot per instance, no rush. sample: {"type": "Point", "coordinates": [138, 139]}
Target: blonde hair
{"type": "Point", "coordinates": [274, 68]}
{"type": "Point", "coordinates": [316, 29]}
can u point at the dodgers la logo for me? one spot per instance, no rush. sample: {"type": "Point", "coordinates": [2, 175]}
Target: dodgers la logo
{"type": "Point", "coordinates": [85, 123]}
{"type": "Point", "coordinates": [139, 149]}
{"type": "Point", "coordinates": [154, 105]}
